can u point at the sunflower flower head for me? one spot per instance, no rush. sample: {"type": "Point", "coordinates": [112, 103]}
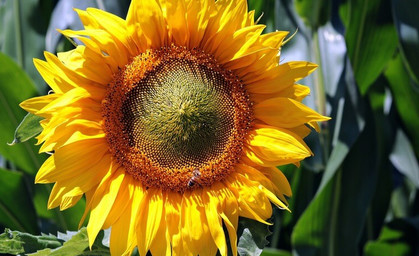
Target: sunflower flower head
{"type": "Point", "coordinates": [171, 123]}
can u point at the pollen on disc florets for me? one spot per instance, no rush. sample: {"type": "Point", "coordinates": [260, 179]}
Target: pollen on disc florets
{"type": "Point", "coordinates": [175, 119]}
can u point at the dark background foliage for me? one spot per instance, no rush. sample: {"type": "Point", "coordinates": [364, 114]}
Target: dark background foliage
{"type": "Point", "coordinates": [357, 196]}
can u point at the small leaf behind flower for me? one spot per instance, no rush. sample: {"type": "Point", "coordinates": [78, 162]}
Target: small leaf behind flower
{"type": "Point", "coordinates": [27, 129]}
{"type": "Point", "coordinates": [15, 242]}
{"type": "Point", "coordinates": [252, 237]}
{"type": "Point", "coordinates": [78, 244]}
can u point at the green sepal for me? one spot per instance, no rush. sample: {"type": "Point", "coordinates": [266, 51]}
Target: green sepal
{"type": "Point", "coordinates": [27, 129]}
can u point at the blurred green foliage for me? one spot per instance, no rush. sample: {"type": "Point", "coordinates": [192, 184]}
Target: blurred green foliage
{"type": "Point", "coordinates": [357, 196]}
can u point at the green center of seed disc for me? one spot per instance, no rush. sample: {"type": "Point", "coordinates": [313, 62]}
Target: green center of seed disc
{"type": "Point", "coordinates": [181, 114]}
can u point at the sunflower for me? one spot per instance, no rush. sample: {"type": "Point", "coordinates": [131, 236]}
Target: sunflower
{"type": "Point", "coordinates": [171, 123]}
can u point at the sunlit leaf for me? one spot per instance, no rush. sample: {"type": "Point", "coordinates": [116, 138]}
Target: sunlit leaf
{"type": "Point", "coordinates": [406, 19]}
{"type": "Point", "coordinates": [406, 98]}
{"type": "Point", "coordinates": [78, 244]}
{"type": "Point", "coordinates": [403, 158]}
{"type": "Point", "coordinates": [333, 223]}
{"type": "Point", "coordinates": [15, 242]}
{"type": "Point", "coordinates": [370, 36]}
{"type": "Point", "coordinates": [15, 87]}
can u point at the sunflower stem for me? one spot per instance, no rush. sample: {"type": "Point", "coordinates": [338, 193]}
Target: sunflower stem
{"type": "Point", "coordinates": [18, 34]}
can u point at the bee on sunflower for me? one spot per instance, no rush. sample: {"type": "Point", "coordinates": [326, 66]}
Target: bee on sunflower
{"type": "Point", "coordinates": [171, 123]}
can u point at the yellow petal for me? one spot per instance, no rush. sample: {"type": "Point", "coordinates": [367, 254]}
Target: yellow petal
{"type": "Point", "coordinates": [212, 207]}
{"type": "Point", "coordinates": [234, 48]}
{"type": "Point", "coordinates": [285, 75]}
{"type": "Point", "coordinates": [230, 216]}
{"type": "Point", "coordinates": [285, 113]}
{"type": "Point", "coordinates": [70, 161]}
{"type": "Point", "coordinates": [123, 233]}
{"type": "Point", "coordinates": [296, 92]}
{"type": "Point", "coordinates": [248, 207]}
{"type": "Point", "coordinates": [102, 203]}
{"type": "Point", "coordinates": [35, 104]}
{"type": "Point", "coordinates": [121, 203]}
{"type": "Point", "coordinates": [161, 244]}
{"type": "Point", "coordinates": [78, 185]}
{"type": "Point", "coordinates": [269, 146]}
{"type": "Point", "coordinates": [198, 13]}
{"type": "Point", "coordinates": [175, 13]}
{"type": "Point", "coordinates": [149, 16]}
{"type": "Point", "coordinates": [278, 179]}
{"type": "Point", "coordinates": [87, 64]}
{"type": "Point", "coordinates": [231, 16]}
{"type": "Point", "coordinates": [116, 27]}
{"type": "Point", "coordinates": [49, 74]}
{"type": "Point", "coordinates": [150, 215]}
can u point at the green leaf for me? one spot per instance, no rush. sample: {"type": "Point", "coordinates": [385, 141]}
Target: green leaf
{"type": "Point", "coordinates": [15, 87]}
{"type": "Point", "coordinates": [407, 23]}
{"type": "Point", "coordinates": [16, 208]}
{"type": "Point", "coordinates": [333, 223]}
{"type": "Point", "coordinates": [25, 23]}
{"type": "Point", "coordinates": [275, 252]}
{"type": "Point", "coordinates": [252, 237]}
{"type": "Point", "coordinates": [78, 244]}
{"type": "Point", "coordinates": [315, 13]}
{"type": "Point", "coordinates": [370, 37]}
{"type": "Point", "coordinates": [347, 122]}
{"type": "Point", "coordinates": [15, 242]}
{"type": "Point", "coordinates": [406, 98]}
{"type": "Point", "coordinates": [384, 133]}
{"type": "Point", "coordinates": [397, 238]}
{"type": "Point", "coordinates": [403, 158]}
{"type": "Point", "coordinates": [27, 129]}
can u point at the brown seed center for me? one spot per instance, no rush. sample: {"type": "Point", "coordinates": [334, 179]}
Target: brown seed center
{"type": "Point", "coordinates": [175, 119]}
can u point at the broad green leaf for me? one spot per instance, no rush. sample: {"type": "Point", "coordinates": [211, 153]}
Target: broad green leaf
{"type": "Point", "coordinates": [27, 129]}
{"type": "Point", "coordinates": [15, 87]}
{"type": "Point", "coordinates": [397, 238]}
{"type": "Point", "coordinates": [15, 242]}
{"type": "Point", "coordinates": [333, 223]}
{"type": "Point", "coordinates": [16, 208]}
{"type": "Point", "coordinates": [347, 122]}
{"type": "Point", "coordinates": [370, 37]}
{"type": "Point", "coordinates": [275, 252]}
{"type": "Point", "coordinates": [406, 18]}
{"type": "Point", "coordinates": [406, 98]}
{"type": "Point", "coordinates": [384, 133]}
{"type": "Point", "coordinates": [24, 25]}
{"type": "Point", "coordinates": [404, 159]}
{"type": "Point", "coordinates": [315, 13]}
{"type": "Point", "coordinates": [251, 237]}
{"type": "Point", "coordinates": [78, 245]}
{"type": "Point", "coordinates": [304, 184]}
